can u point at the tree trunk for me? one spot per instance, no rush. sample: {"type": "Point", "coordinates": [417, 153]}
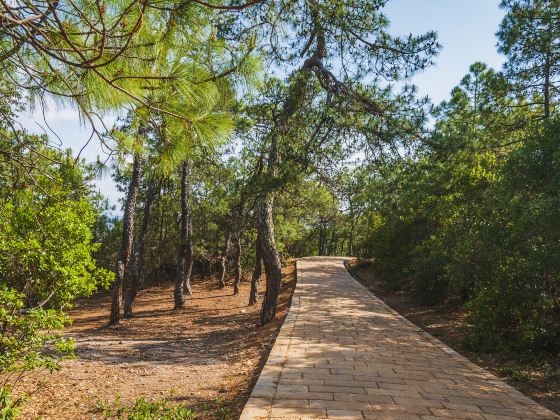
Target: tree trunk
{"type": "Point", "coordinates": [223, 257]}
{"type": "Point", "coordinates": [183, 277]}
{"type": "Point", "coordinates": [269, 253]}
{"type": "Point", "coordinates": [547, 66]}
{"type": "Point", "coordinates": [332, 245]}
{"type": "Point", "coordinates": [265, 223]}
{"type": "Point", "coordinates": [123, 256]}
{"type": "Point", "coordinates": [256, 273]}
{"type": "Point", "coordinates": [237, 260]}
{"type": "Point", "coordinates": [137, 261]}
{"type": "Point", "coordinates": [322, 237]}
{"type": "Point", "coordinates": [271, 259]}
{"type": "Point", "coordinates": [186, 210]}
{"type": "Point", "coordinates": [160, 234]}
{"type": "Point", "coordinates": [352, 230]}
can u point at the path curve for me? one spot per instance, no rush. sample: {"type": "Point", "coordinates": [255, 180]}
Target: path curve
{"type": "Point", "coordinates": [343, 353]}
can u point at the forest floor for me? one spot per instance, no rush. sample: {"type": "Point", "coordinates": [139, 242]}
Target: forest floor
{"type": "Point", "coordinates": [208, 355]}
{"type": "Point", "coordinates": [537, 377]}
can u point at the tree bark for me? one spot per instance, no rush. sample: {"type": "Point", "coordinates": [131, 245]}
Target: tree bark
{"type": "Point", "coordinates": [352, 230]}
{"type": "Point", "coordinates": [137, 260]}
{"type": "Point", "coordinates": [332, 245]}
{"type": "Point", "coordinates": [161, 234]}
{"type": "Point", "coordinates": [182, 279]}
{"type": "Point", "coordinates": [123, 256]}
{"type": "Point", "coordinates": [186, 210]}
{"type": "Point", "coordinates": [271, 259]}
{"type": "Point", "coordinates": [547, 67]}
{"type": "Point", "coordinates": [256, 273]}
{"type": "Point", "coordinates": [237, 262]}
{"type": "Point", "coordinates": [223, 258]}
{"type": "Point", "coordinates": [265, 227]}
{"type": "Point", "coordinates": [265, 224]}
{"type": "Point", "coordinates": [322, 237]}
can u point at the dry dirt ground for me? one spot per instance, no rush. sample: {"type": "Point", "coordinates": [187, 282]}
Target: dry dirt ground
{"type": "Point", "coordinates": [537, 377]}
{"type": "Point", "coordinates": [208, 355]}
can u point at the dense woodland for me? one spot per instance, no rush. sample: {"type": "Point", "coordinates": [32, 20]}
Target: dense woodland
{"type": "Point", "coordinates": [254, 132]}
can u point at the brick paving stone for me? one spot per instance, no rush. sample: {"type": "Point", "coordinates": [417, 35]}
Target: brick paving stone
{"type": "Point", "coordinates": [455, 414]}
{"type": "Point", "coordinates": [374, 399]}
{"type": "Point", "coordinates": [278, 403]}
{"type": "Point", "coordinates": [298, 412]}
{"type": "Point", "coordinates": [344, 414]}
{"type": "Point", "coordinates": [399, 409]}
{"type": "Point", "coordinates": [393, 392]}
{"type": "Point", "coordinates": [343, 353]}
{"type": "Point", "coordinates": [337, 388]}
{"type": "Point", "coordinates": [381, 416]}
{"type": "Point", "coordinates": [340, 405]}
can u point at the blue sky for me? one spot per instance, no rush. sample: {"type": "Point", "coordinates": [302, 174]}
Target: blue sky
{"type": "Point", "coordinates": [466, 30]}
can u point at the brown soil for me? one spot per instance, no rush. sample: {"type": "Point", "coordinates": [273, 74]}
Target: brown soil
{"type": "Point", "coordinates": [537, 377]}
{"type": "Point", "coordinates": [208, 355]}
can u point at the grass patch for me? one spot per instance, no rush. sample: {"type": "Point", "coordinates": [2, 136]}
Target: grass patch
{"type": "Point", "coordinates": [163, 409]}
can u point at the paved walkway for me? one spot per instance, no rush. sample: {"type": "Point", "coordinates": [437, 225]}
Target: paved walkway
{"type": "Point", "coordinates": [343, 353]}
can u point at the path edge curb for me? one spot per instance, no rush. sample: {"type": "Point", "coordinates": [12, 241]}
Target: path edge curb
{"type": "Point", "coordinates": [259, 404]}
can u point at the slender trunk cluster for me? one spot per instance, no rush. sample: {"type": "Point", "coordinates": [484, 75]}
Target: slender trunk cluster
{"type": "Point", "coordinates": [352, 230]}
{"type": "Point", "coordinates": [185, 255]}
{"type": "Point", "coordinates": [187, 290]}
{"type": "Point", "coordinates": [223, 260]}
{"type": "Point", "coordinates": [137, 261]}
{"type": "Point", "coordinates": [256, 273]}
{"type": "Point", "coordinates": [322, 237]}
{"type": "Point", "coordinates": [237, 262]}
{"type": "Point", "coordinates": [123, 257]}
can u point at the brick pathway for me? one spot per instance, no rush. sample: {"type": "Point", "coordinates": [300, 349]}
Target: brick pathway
{"type": "Point", "coordinates": [343, 353]}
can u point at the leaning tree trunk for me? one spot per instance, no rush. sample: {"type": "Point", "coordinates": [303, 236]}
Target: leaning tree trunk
{"type": "Point", "coordinates": [265, 226]}
{"type": "Point", "coordinates": [256, 273]}
{"type": "Point", "coordinates": [237, 262]}
{"type": "Point", "coordinates": [137, 260]}
{"type": "Point", "coordinates": [223, 257]}
{"type": "Point", "coordinates": [271, 259]}
{"type": "Point", "coordinates": [183, 277]}
{"type": "Point", "coordinates": [123, 256]}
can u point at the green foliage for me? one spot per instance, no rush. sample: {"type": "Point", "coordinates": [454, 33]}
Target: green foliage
{"type": "Point", "coordinates": [514, 374]}
{"type": "Point", "coordinates": [47, 213]}
{"type": "Point", "coordinates": [144, 410]}
{"type": "Point", "coordinates": [46, 250]}
{"type": "Point", "coordinates": [162, 409]}
{"type": "Point", "coordinates": [9, 409]}
{"type": "Point", "coordinates": [528, 36]}
{"type": "Point", "coordinates": [29, 339]}
{"type": "Point", "coordinates": [520, 299]}
{"type": "Point", "coordinates": [473, 214]}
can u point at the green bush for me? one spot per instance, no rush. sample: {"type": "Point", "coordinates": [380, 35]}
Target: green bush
{"type": "Point", "coordinates": [46, 250]}
{"type": "Point", "coordinates": [161, 410]}
{"type": "Point", "coordinates": [47, 214]}
{"type": "Point", "coordinates": [29, 339]}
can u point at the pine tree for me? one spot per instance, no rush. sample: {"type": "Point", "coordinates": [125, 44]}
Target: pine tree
{"type": "Point", "coordinates": [529, 36]}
